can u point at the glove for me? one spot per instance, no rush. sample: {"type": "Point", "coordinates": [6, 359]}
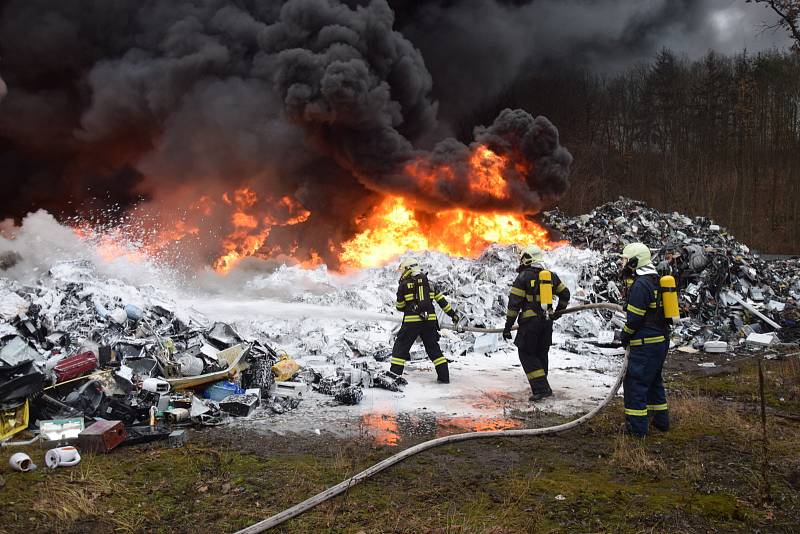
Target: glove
{"type": "Point", "coordinates": [457, 322]}
{"type": "Point", "coordinates": [507, 334]}
{"type": "Point", "coordinates": [625, 339]}
{"type": "Point", "coordinates": [556, 315]}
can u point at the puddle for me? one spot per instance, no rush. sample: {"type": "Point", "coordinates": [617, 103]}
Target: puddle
{"type": "Point", "coordinates": [393, 429]}
{"type": "Point", "coordinates": [484, 394]}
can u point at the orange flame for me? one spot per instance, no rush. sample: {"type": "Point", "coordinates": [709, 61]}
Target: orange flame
{"type": "Point", "coordinates": [487, 170]}
{"type": "Point", "coordinates": [109, 246]}
{"type": "Point", "coordinates": [490, 174]}
{"type": "Point", "coordinates": [251, 229]}
{"type": "Point", "coordinates": [393, 228]}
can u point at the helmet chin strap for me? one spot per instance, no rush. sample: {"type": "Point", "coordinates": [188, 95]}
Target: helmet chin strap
{"type": "Point", "coordinates": [533, 265]}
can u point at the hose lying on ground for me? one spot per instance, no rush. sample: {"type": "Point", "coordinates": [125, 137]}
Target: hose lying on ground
{"type": "Point", "coordinates": [311, 502]}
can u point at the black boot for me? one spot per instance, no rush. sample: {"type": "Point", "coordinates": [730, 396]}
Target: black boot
{"type": "Point", "coordinates": [540, 389]}
{"type": "Point", "coordinates": [539, 395]}
{"type": "Point", "coordinates": [442, 374]}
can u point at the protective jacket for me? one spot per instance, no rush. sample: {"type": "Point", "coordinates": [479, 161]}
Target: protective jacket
{"type": "Point", "coordinates": [646, 331]}
{"type": "Point", "coordinates": [523, 301]}
{"type": "Point", "coordinates": [645, 322]}
{"type": "Point", "coordinates": [415, 297]}
{"type": "Point", "coordinates": [535, 332]}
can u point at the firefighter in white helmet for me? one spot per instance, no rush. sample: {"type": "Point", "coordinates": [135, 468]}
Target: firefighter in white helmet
{"type": "Point", "coordinates": [530, 303]}
{"type": "Point", "coordinates": [646, 333]}
{"type": "Point", "coordinates": [415, 298]}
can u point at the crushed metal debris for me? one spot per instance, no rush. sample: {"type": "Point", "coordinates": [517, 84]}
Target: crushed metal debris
{"type": "Point", "coordinates": [75, 346]}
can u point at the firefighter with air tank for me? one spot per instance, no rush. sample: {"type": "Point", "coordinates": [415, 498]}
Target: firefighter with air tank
{"type": "Point", "coordinates": [415, 298]}
{"type": "Point", "coordinates": [650, 304]}
{"type": "Point", "coordinates": [531, 303]}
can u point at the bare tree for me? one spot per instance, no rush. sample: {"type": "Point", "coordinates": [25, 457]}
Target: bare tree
{"type": "Point", "coordinates": [789, 13]}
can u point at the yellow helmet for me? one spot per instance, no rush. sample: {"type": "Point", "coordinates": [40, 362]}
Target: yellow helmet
{"type": "Point", "coordinates": [637, 255]}
{"type": "Point", "coordinates": [530, 255]}
{"type": "Point", "coordinates": [409, 266]}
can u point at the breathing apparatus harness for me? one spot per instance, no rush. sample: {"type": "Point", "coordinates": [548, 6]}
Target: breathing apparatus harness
{"type": "Point", "coordinates": [667, 309]}
{"type": "Point", "coordinates": [541, 285]}
{"type": "Point", "coordinates": [417, 284]}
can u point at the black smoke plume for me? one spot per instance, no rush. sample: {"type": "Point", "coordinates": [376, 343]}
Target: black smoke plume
{"type": "Point", "coordinates": [167, 103]}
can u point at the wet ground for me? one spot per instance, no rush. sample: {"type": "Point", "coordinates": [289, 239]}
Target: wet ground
{"type": "Point", "coordinates": [485, 393]}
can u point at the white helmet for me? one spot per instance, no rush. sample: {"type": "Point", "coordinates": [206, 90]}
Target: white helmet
{"type": "Point", "coordinates": [530, 255]}
{"type": "Point", "coordinates": [637, 255]}
{"type": "Point", "coordinates": [409, 266]}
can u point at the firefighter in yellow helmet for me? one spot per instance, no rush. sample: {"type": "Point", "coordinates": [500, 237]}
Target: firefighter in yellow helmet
{"type": "Point", "coordinates": [415, 298]}
{"type": "Point", "coordinates": [646, 333]}
{"type": "Point", "coordinates": [530, 303]}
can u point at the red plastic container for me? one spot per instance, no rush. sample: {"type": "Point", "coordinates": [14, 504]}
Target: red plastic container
{"type": "Point", "coordinates": [75, 366]}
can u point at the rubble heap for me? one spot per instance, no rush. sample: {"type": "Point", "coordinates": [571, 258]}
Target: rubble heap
{"type": "Point", "coordinates": [727, 291]}
{"type": "Point", "coordinates": [81, 348]}
{"type": "Point", "coordinates": [83, 344]}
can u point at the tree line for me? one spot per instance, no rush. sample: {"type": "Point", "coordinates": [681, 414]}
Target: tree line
{"type": "Point", "coordinates": [719, 137]}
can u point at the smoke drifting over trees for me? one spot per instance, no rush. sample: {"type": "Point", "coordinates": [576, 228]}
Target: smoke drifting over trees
{"type": "Point", "coordinates": [477, 48]}
{"type": "Point", "coordinates": [718, 136]}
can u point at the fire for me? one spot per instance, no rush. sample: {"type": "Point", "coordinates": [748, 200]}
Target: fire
{"type": "Point", "coordinates": [487, 172]}
{"type": "Point", "coordinates": [252, 226]}
{"type": "Point", "coordinates": [395, 225]}
{"type": "Point", "coordinates": [110, 246]}
{"type": "Point", "coordinates": [488, 175]}
{"type": "Point", "coordinates": [394, 228]}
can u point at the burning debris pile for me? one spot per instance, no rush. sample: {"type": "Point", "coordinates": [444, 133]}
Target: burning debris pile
{"type": "Point", "coordinates": [727, 291]}
{"type": "Point", "coordinates": [81, 348]}
{"type": "Point", "coordinates": [77, 344]}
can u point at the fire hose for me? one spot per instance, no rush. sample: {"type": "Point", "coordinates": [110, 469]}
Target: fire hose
{"type": "Point", "coordinates": [345, 485]}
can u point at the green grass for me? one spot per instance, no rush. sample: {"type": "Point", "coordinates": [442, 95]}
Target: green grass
{"type": "Point", "coordinates": [702, 476]}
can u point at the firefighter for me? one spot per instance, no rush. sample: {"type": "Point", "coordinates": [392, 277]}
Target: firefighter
{"type": "Point", "coordinates": [646, 334]}
{"type": "Point", "coordinates": [535, 321]}
{"type": "Point", "coordinates": [415, 297]}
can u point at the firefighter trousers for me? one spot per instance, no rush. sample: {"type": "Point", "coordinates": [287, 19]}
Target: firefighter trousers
{"type": "Point", "coordinates": [408, 334]}
{"type": "Point", "coordinates": [644, 394]}
{"type": "Point", "coordinates": [533, 341]}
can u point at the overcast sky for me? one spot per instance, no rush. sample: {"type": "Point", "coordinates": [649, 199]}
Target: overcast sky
{"type": "Point", "coordinates": [732, 26]}
{"type": "Point", "coordinates": [606, 34]}
{"type": "Point", "coordinates": [495, 41]}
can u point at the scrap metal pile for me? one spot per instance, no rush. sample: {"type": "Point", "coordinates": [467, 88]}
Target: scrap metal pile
{"type": "Point", "coordinates": [76, 348]}
{"type": "Point", "coordinates": [477, 287]}
{"type": "Point", "coordinates": [76, 343]}
{"type": "Point", "coordinates": [727, 291]}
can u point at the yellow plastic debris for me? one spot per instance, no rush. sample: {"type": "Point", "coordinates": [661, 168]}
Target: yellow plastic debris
{"type": "Point", "coordinates": [13, 419]}
{"type": "Point", "coordinates": [286, 368]}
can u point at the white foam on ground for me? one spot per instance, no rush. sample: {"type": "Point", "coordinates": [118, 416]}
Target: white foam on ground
{"type": "Point", "coordinates": [317, 315]}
